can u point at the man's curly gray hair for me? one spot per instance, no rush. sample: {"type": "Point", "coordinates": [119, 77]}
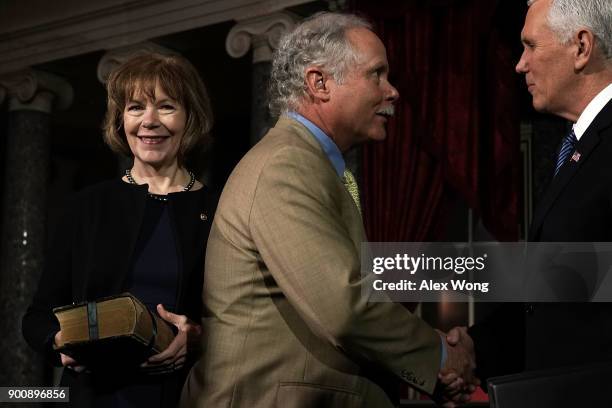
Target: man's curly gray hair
{"type": "Point", "coordinates": [317, 41]}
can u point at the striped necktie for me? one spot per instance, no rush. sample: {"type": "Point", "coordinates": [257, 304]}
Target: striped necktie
{"type": "Point", "coordinates": [351, 185]}
{"type": "Point", "coordinates": [567, 148]}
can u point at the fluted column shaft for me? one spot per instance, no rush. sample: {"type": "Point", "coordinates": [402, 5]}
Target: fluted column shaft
{"type": "Point", "coordinates": [22, 251]}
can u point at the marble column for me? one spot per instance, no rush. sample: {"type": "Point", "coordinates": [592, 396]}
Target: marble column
{"type": "Point", "coordinates": [31, 96]}
{"type": "Point", "coordinates": [262, 34]}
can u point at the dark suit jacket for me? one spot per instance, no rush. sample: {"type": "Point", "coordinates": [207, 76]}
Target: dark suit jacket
{"type": "Point", "coordinates": [91, 254]}
{"type": "Point", "coordinates": [577, 207]}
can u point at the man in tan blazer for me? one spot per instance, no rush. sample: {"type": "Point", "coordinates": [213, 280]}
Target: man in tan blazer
{"type": "Point", "coordinates": [285, 322]}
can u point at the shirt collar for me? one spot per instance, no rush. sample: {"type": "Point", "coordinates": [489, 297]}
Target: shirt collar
{"type": "Point", "coordinates": [591, 111]}
{"type": "Point", "coordinates": [327, 144]}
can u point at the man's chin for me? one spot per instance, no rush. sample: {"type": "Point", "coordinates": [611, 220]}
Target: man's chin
{"type": "Point", "coordinates": [539, 105]}
{"type": "Point", "coordinates": [377, 137]}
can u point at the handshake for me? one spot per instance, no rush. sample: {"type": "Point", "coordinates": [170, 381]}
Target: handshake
{"type": "Point", "coordinates": [457, 380]}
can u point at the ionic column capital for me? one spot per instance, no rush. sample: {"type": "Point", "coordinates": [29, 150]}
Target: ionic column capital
{"type": "Point", "coordinates": [262, 33]}
{"type": "Point", "coordinates": [115, 57]}
{"type": "Point", "coordinates": [35, 90]}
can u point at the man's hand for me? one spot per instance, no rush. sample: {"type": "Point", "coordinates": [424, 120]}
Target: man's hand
{"type": "Point", "coordinates": [456, 379]}
{"type": "Point", "coordinates": [461, 357]}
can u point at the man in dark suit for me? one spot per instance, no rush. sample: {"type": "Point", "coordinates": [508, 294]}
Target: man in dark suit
{"type": "Point", "coordinates": [567, 63]}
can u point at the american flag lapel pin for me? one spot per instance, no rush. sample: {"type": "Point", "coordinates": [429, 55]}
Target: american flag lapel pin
{"type": "Point", "coordinates": [575, 157]}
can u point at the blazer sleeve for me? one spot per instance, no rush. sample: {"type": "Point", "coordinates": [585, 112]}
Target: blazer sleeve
{"type": "Point", "coordinates": [499, 341]}
{"type": "Point", "coordinates": [39, 324]}
{"type": "Point", "coordinates": [298, 229]}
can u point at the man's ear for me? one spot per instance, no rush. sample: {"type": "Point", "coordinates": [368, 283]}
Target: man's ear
{"type": "Point", "coordinates": [317, 84]}
{"type": "Point", "coordinates": [585, 44]}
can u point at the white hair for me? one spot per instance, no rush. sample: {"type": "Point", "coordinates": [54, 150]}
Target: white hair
{"type": "Point", "coordinates": [566, 17]}
{"type": "Point", "coordinates": [317, 41]}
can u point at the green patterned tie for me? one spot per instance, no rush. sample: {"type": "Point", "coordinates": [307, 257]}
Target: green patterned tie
{"type": "Point", "coordinates": [351, 185]}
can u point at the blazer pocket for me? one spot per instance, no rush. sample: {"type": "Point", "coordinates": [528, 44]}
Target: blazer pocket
{"type": "Point", "coordinates": [305, 395]}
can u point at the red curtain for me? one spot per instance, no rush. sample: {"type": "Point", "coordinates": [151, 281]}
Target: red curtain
{"type": "Point", "coordinates": [456, 129]}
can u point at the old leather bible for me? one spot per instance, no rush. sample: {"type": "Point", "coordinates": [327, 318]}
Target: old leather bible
{"type": "Point", "coordinates": [115, 330]}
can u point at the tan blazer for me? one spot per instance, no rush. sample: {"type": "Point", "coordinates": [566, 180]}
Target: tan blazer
{"type": "Point", "coordinates": [285, 324]}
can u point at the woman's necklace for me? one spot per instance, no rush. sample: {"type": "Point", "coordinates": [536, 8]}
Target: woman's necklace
{"type": "Point", "coordinates": [160, 197]}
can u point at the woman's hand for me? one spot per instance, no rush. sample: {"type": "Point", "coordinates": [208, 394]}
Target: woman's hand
{"type": "Point", "coordinates": [188, 338]}
{"type": "Point", "coordinates": [68, 361]}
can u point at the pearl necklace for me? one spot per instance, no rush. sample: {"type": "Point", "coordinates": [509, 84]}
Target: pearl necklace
{"type": "Point", "coordinates": [159, 197]}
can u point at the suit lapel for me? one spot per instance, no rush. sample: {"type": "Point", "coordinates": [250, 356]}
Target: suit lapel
{"type": "Point", "coordinates": [587, 143]}
{"type": "Point", "coordinates": [289, 125]}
